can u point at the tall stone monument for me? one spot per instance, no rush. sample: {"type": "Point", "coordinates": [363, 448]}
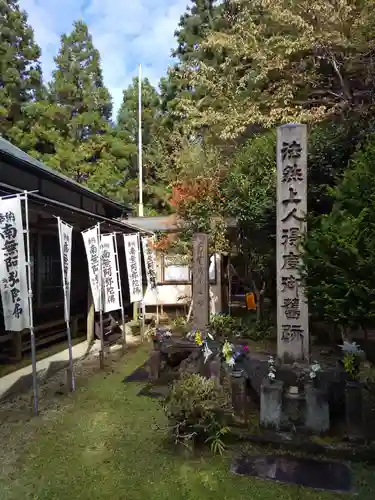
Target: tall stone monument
{"type": "Point", "coordinates": [292, 307]}
{"type": "Point", "coordinates": [201, 303]}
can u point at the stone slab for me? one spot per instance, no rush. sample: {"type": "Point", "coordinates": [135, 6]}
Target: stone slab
{"type": "Point", "coordinates": [316, 474]}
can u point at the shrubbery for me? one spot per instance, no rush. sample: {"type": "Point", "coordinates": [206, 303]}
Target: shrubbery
{"type": "Point", "coordinates": [197, 410]}
{"type": "Point", "coordinates": [225, 326]}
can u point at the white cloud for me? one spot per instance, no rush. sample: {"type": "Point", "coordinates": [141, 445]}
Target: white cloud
{"type": "Point", "coordinates": [126, 32]}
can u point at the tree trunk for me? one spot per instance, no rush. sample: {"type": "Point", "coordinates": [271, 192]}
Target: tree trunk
{"type": "Point", "coordinates": [365, 332]}
{"type": "Point", "coordinates": [344, 333]}
{"type": "Point", "coordinates": [259, 295]}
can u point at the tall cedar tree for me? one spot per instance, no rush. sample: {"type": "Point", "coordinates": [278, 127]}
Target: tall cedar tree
{"type": "Point", "coordinates": [77, 137]}
{"type": "Point", "coordinates": [20, 72]}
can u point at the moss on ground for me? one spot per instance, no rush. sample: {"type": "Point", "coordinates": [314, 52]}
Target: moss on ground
{"type": "Point", "coordinates": [107, 445]}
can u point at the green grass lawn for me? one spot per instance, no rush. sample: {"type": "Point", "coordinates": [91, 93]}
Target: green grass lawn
{"type": "Point", "coordinates": [106, 446]}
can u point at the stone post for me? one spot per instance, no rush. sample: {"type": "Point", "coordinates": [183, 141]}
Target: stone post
{"type": "Point", "coordinates": [354, 410]}
{"type": "Point", "coordinates": [239, 397]}
{"type": "Point", "coordinates": [317, 410]}
{"type": "Point", "coordinates": [292, 308]}
{"type": "Point", "coordinates": [201, 303]}
{"type": "Point", "coordinates": [215, 370]}
{"type": "Point", "coordinates": [271, 395]}
{"type": "Point", "coordinates": [154, 365]}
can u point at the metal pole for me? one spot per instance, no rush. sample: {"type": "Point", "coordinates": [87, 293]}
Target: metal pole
{"type": "Point", "coordinates": [101, 352]}
{"type": "Point", "coordinates": [30, 303]}
{"type": "Point", "coordinates": [120, 291]}
{"type": "Point", "coordinates": [229, 273]}
{"type": "Point", "coordinates": [157, 307]}
{"type": "Point", "coordinates": [66, 311]}
{"type": "Point", "coordinates": [140, 165]}
{"type": "Point", "coordinates": [142, 303]}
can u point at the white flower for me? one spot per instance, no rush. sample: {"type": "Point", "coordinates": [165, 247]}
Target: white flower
{"type": "Point", "coordinates": [351, 348]}
{"type": "Point", "coordinates": [312, 374]}
{"type": "Point", "coordinates": [271, 376]}
{"type": "Point", "coordinates": [231, 362]}
{"type": "Point", "coordinates": [206, 352]}
{"type": "Point", "coordinates": [315, 367]}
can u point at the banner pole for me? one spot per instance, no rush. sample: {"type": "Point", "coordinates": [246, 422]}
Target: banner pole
{"type": "Point", "coordinates": [120, 290]}
{"type": "Point", "coordinates": [156, 290]}
{"type": "Point", "coordinates": [157, 309]}
{"type": "Point", "coordinates": [66, 312]}
{"type": "Point", "coordinates": [30, 303]}
{"type": "Point", "coordinates": [100, 286]}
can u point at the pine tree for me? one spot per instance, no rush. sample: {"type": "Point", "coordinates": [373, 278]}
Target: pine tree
{"type": "Point", "coordinates": [20, 71]}
{"type": "Point", "coordinates": [201, 18]}
{"type": "Point", "coordinates": [193, 27]}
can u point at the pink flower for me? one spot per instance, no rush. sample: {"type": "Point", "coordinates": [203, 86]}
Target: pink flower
{"type": "Point", "coordinates": [246, 348]}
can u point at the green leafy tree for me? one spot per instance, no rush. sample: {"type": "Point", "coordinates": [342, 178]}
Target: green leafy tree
{"type": "Point", "coordinates": [20, 72]}
{"type": "Point", "coordinates": [285, 61]}
{"type": "Point", "coordinates": [339, 253]}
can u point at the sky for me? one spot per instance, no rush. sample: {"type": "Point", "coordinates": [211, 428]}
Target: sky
{"type": "Point", "coordinates": [126, 33]}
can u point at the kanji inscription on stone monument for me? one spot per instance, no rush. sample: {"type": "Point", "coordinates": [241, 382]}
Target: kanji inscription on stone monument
{"type": "Point", "coordinates": [292, 307]}
{"type": "Point", "coordinates": [201, 302]}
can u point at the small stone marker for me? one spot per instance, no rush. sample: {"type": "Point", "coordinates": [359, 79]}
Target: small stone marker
{"type": "Point", "coordinates": [201, 304]}
{"type": "Point", "coordinates": [215, 369]}
{"type": "Point", "coordinates": [292, 308]}
{"type": "Point", "coordinates": [317, 410]}
{"type": "Point", "coordinates": [271, 395]}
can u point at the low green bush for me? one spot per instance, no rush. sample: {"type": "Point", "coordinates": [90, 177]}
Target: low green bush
{"type": "Point", "coordinates": [225, 326]}
{"type": "Point", "coordinates": [259, 330]}
{"type": "Point", "coordinates": [197, 411]}
{"type": "Point", "coordinates": [180, 324]}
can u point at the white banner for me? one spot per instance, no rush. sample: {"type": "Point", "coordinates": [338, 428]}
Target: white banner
{"type": "Point", "coordinates": [150, 262]}
{"type": "Point", "coordinates": [65, 238]}
{"type": "Point", "coordinates": [110, 280]}
{"type": "Point", "coordinates": [91, 241]}
{"type": "Point", "coordinates": [133, 264]}
{"type": "Point", "coordinates": [13, 275]}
